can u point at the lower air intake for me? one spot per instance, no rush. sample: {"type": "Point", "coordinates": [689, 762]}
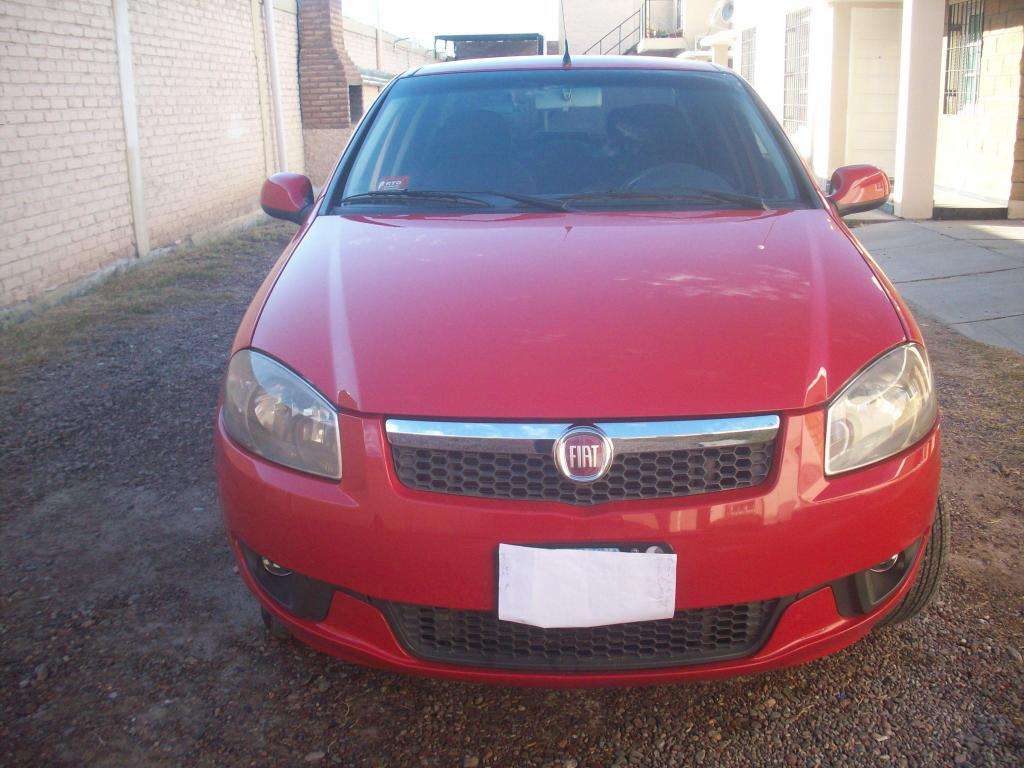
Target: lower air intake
{"type": "Point", "coordinates": [480, 639]}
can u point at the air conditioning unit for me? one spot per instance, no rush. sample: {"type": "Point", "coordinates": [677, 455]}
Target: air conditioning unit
{"type": "Point", "coordinates": [721, 15]}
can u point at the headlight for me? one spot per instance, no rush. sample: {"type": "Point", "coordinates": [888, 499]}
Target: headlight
{"type": "Point", "coordinates": [274, 413]}
{"type": "Point", "coordinates": [886, 408]}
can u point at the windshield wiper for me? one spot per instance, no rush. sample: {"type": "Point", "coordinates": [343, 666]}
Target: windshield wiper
{"type": "Point", "coordinates": [456, 196]}
{"type": "Point", "coordinates": [750, 201]}
{"type": "Point", "coordinates": [415, 194]}
{"type": "Point", "coordinates": [535, 200]}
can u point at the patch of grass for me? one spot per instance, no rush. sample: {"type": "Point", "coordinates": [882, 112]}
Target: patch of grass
{"type": "Point", "coordinates": [188, 274]}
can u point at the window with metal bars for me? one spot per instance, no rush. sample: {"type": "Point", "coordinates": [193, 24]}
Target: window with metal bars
{"type": "Point", "coordinates": [748, 52]}
{"type": "Point", "coordinates": [963, 55]}
{"type": "Point", "coordinates": [798, 43]}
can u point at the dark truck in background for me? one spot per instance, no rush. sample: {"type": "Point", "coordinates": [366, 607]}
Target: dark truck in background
{"type": "Point", "coordinates": [459, 47]}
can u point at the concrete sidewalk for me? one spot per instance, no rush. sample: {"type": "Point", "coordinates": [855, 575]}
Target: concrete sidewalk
{"type": "Point", "coordinates": [967, 274]}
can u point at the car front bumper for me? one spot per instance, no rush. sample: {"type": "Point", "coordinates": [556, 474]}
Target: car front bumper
{"type": "Point", "coordinates": [375, 540]}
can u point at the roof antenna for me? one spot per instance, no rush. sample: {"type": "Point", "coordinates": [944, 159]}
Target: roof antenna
{"type": "Point", "coordinates": [566, 61]}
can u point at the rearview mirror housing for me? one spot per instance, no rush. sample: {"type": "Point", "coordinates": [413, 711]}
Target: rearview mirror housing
{"type": "Point", "coordinates": [858, 188]}
{"type": "Point", "coordinates": [287, 196]}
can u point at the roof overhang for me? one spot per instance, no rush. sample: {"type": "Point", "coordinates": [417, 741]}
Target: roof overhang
{"type": "Point", "coordinates": [375, 77]}
{"type": "Point", "coordinates": [723, 37]}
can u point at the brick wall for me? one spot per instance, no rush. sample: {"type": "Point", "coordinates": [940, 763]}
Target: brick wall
{"type": "Point", "coordinates": [335, 50]}
{"type": "Point", "coordinates": [64, 206]}
{"type": "Point", "coordinates": [204, 118]}
{"type": "Point", "coordinates": [975, 153]}
{"type": "Point", "coordinates": [396, 55]}
{"type": "Point", "coordinates": [204, 114]}
{"type": "Point", "coordinates": [1015, 205]}
{"type": "Point", "coordinates": [201, 134]}
{"type": "Point", "coordinates": [325, 73]}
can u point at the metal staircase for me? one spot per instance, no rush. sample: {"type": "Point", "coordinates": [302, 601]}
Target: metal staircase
{"type": "Point", "coordinates": [642, 29]}
{"type": "Point", "coordinates": [623, 39]}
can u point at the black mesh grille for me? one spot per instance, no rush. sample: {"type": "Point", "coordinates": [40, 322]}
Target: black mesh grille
{"type": "Point", "coordinates": [632, 475]}
{"type": "Point", "coordinates": [480, 639]}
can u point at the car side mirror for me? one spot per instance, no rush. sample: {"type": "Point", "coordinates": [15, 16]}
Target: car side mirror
{"type": "Point", "coordinates": [858, 188]}
{"type": "Point", "coordinates": [287, 196]}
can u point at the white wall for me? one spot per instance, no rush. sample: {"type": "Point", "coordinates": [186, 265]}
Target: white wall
{"type": "Point", "coordinates": [586, 21]}
{"type": "Point", "coordinates": [873, 87]}
{"type": "Point", "coordinates": [769, 24]}
{"type": "Point", "coordinates": [815, 144]}
{"type": "Point", "coordinates": [822, 141]}
{"type": "Point", "coordinates": [695, 17]}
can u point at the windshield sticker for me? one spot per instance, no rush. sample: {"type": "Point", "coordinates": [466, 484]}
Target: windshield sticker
{"type": "Point", "coordinates": [393, 183]}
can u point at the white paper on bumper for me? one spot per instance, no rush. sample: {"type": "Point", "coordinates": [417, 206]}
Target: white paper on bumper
{"type": "Point", "coordinates": [562, 588]}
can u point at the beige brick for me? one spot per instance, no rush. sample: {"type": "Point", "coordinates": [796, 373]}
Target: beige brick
{"type": "Point", "coordinates": [39, 223]}
{"type": "Point", "coordinates": [976, 151]}
{"type": "Point", "coordinates": [204, 114]}
{"type": "Point", "coordinates": [201, 132]}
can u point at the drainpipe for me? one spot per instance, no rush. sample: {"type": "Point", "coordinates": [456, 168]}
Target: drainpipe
{"type": "Point", "coordinates": [379, 39]}
{"type": "Point", "coordinates": [130, 116]}
{"type": "Point", "coordinates": [260, 60]}
{"type": "Point", "coordinates": [275, 86]}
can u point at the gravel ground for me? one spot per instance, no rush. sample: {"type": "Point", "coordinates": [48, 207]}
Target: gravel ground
{"type": "Point", "coordinates": [128, 639]}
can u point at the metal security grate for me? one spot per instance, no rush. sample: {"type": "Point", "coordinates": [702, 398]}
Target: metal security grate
{"type": "Point", "coordinates": [964, 24]}
{"type": "Point", "coordinates": [798, 47]}
{"type": "Point", "coordinates": [659, 474]}
{"type": "Point", "coordinates": [479, 638]}
{"type": "Point", "coordinates": [748, 53]}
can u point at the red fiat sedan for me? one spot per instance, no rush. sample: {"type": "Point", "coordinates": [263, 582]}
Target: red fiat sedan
{"type": "Point", "coordinates": [572, 375]}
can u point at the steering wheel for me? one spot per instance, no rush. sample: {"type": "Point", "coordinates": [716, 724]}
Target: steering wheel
{"type": "Point", "coordinates": [673, 176]}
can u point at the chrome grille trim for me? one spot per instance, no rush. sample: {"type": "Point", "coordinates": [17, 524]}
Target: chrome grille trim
{"type": "Point", "coordinates": [539, 438]}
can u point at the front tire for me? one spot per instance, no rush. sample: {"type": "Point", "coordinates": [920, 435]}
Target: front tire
{"type": "Point", "coordinates": [933, 565]}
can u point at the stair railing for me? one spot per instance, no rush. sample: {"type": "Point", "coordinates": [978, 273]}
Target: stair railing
{"type": "Point", "coordinates": [623, 37]}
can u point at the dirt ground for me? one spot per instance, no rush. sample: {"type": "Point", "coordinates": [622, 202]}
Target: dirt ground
{"type": "Point", "coordinates": [128, 639]}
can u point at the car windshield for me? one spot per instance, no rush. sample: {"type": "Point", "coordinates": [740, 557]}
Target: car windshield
{"type": "Point", "coordinates": [578, 139]}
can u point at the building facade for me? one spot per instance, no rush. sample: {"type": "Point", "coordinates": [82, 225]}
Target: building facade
{"type": "Point", "coordinates": [647, 27]}
{"type": "Point", "coordinates": [928, 90]}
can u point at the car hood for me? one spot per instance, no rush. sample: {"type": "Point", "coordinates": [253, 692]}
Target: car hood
{"type": "Point", "coordinates": [577, 316]}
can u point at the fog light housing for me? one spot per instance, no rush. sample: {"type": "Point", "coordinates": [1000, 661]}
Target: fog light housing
{"type": "Point", "coordinates": [299, 595]}
{"type": "Point", "coordinates": [864, 591]}
{"type": "Point", "coordinates": [273, 568]}
{"type": "Point", "coordinates": [886, 565]}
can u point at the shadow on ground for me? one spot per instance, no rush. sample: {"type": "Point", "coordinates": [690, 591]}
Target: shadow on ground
{"type": "Point", "coordinates": [968, 274]}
